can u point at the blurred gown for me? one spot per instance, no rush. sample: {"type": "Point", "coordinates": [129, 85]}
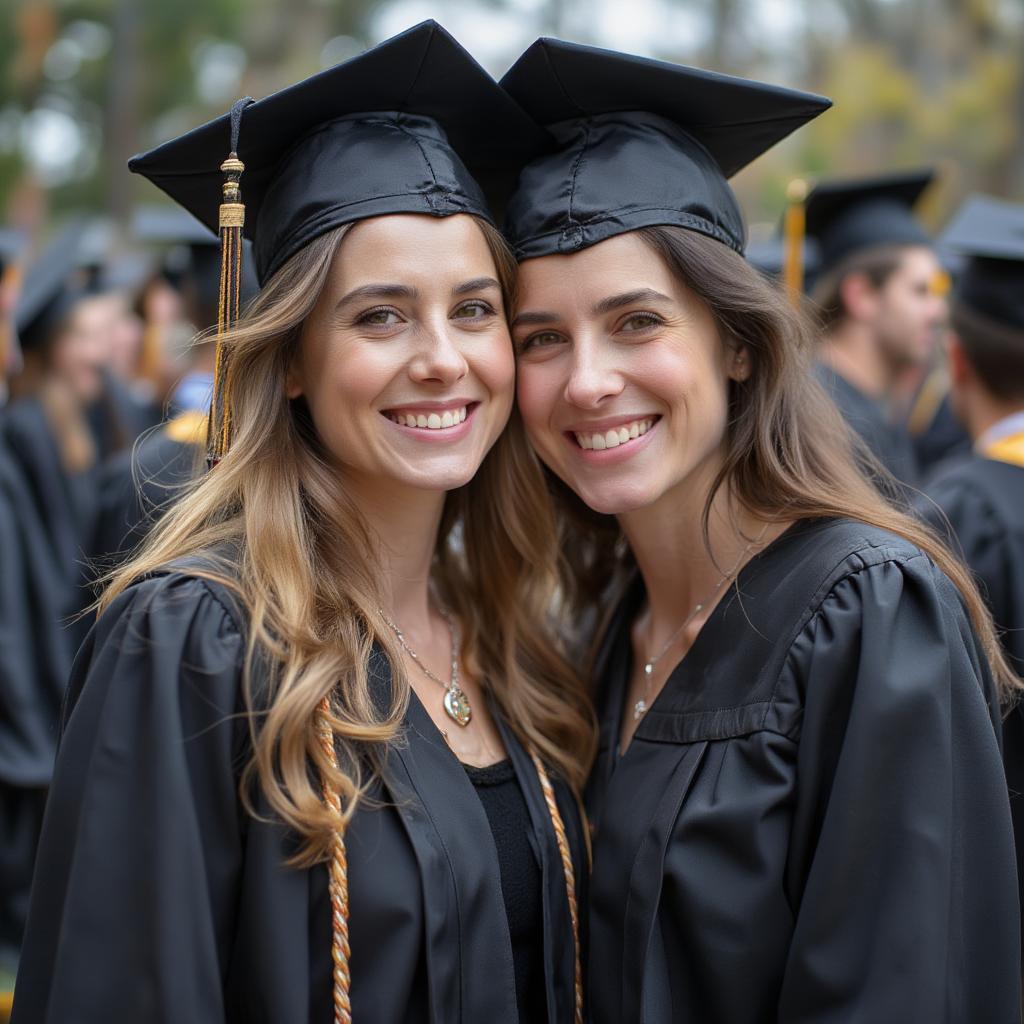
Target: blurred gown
{"type": "Point", "coordinates": [158, 898]}
{"type": "Point", "coordinates": [889, 443]}
{"type": "Point", "coordinates": [811, 823]}
{"type": "Point", "coordinates": [981, 500]}
{"type": "Point", "coordinates": [35, 658]}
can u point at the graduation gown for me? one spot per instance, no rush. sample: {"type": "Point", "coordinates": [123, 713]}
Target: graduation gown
{"type": "Point", "coordinates": [890, 444]}
{"type": "Point", "coordinates": [34, 662]}
{"type": "Point", "coordinates": [137, 486]}
{"type": "Point", "coordinates": [811, 823]}
{"type": "Point", "coordinates": [157, 898]}
{"type": "Point", "coordinates": [982, 501]}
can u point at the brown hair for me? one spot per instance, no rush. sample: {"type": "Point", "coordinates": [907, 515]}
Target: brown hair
{"type": "Point", "coordinates": [790, 455]}
{"type": "Point", "coordinates": [311, 591]}
{"type": "Point", "coordinates": [994, 350]}
{"type": "Point", "coordinates": [877, 264]}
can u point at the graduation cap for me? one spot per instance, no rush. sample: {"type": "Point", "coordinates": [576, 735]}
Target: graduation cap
{"type": "Point", "coordinates": [51, 287]}
{"type": "Point", "coordinates": [640, 142]}
{"type": "Point", "coordinates": [990, 233]}
{"type": "Point", "coordinates": [848, 216]}
{"type": "Point", "coordinates": [414, 125]}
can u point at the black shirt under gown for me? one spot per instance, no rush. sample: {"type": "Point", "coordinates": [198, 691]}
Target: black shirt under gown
{"type": "Point", "coordinates": [157, 898]}
{"type": "Point", "coordinates": [811, 823]}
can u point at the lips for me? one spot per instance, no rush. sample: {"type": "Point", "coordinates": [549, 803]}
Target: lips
{"type": "Point", "coordinates": [429, 419]}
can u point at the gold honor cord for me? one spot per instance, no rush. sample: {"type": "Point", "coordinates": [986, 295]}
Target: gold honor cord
{"type": "Point", "coordinates": [341, 951]}
{"type": "Point", "coordinates": [794, 229]}
{"type": "Point", "coordinates": [231, 221]}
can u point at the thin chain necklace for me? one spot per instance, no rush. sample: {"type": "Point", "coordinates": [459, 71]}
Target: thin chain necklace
{"type": "Point", "coordinates": [641, 707]}
{"type": "Point", "coordinates": [456, 703]}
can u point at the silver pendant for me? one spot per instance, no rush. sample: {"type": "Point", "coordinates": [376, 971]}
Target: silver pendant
{"type": "Point", "coordinates": [456, 704]}
{"type": "Point", "coordinates": [639, 709]}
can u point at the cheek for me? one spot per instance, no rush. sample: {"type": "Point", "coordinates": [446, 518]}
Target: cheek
{"type": "Point", "coordinates": [537, 389]}
{"type": "Point", "coordinates": [495, 367]}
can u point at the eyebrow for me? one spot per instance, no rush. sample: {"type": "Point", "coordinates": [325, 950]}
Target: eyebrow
{"type": "Point", "coordinates": [478, 284]}
{"type": "Point", "coordinates": [627, 299]}
{"type": "Point", "coordinates": [534, 317]}
{"type": "Point", "coordinates": [377, 291]}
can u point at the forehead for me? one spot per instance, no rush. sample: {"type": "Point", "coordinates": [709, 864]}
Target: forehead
{"type": "Point", "coordinates": [403, 246]}
{"type": "Point", "coordinates": [618, 264]}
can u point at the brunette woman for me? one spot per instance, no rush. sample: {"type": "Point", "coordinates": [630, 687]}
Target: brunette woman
{"type": "Point", "coordinates": [799, 806]}
{"type": "Point", "coordinates": [318, 765]}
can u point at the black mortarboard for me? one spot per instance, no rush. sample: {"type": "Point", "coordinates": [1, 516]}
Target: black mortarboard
{"type": "Point", "coordinates": [990, 232]}
{"type": "Point", "coordinates": [640, 142]}
{"type": "Point", "coordinates": [410, 126]}
{"type": "Point", "coordinates": [51, 287]}
{"type": "Point", "coordinates": [848, 216]}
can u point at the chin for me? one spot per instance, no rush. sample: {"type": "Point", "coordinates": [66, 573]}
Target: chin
{"type": "Point", "coordinates": [617, 500]}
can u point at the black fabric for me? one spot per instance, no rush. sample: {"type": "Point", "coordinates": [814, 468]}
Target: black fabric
{"type": "Point", "coordinates": [942, 439]}
{"type": "Point", "coordinates": [639, 142]}
{"type": "Point", "coordinates": [506, 811]}
{"type": "Point", "coordinates": [889, 443]}
{"type": "Point", "coordinates": [811, 822]}
{"type": "Point", "coordinates": [850, 215]}
{"type": "Point", "coordinates": [34, 660]}
{"type": "Point", "coordinates": [977, 505]}
{"type": "Point", "coordinates": [50, 287]}
{"type": "Point", "coordinates": [158, 898]}
{"type": "Point", "coordinates": [990, 232]}
{"type": "Point", "coordinates": [410, 126]}
{"type": "Point", "coordinates": [136, 487]}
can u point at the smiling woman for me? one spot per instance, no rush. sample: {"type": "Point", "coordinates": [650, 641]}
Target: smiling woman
{"type": "Point", "coordinates": [319, 762]}
{"type": "Point", "coordinates": [798, 804]}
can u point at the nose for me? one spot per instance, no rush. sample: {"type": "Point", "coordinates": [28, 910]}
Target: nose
{"type": "Point", "coordinates": [592, 377]}
{"type": "Point", "coordinates": [438, 358]}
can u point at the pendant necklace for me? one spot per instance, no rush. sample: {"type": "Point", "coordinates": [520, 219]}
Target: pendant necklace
{"type": "Point", "coordinates": [456, 703]}
{"type": "Point", "coordinates": [641, 707]}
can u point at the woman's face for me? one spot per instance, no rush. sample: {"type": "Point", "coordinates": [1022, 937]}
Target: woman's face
{"type": "Point", "coordinates": [406, 361]}
{"type": "Point", "coordinates": [82, 346]}
{"type": "Point", "coordinates": [622, 377]}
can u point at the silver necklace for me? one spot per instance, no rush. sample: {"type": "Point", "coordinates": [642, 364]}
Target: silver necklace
{"type": "Point", "coordinates": [456, 703]}
{"type": "Point", "coordinates": [641, 707]}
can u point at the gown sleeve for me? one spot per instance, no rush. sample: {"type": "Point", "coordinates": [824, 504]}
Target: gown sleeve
{"type": "Point", "coordinates": [136, 878]}
{"type": "Point", "coordinates": [901, 876]}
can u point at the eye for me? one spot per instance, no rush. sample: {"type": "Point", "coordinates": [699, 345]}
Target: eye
{"type": "Point", "coordinates": [381, 316]}
{"type": "Point", "coordinates": [641, 322]}
{"type": "Point", "coordinates": [542, 339]}
{"type": "Point", "coordinates": [475, 310]}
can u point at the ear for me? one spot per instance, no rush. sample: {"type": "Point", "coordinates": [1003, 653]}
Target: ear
{"type": "Point", "coordinates": [739, 364]}
{"type": "Point", "coordinates": [293, 380]}
{"type": "Point", "coordinates": [960, 370]}
{"type": "Point", "coordinates": [859, 296]}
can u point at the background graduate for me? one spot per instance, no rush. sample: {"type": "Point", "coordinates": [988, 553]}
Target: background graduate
{"type": "Point", "coordinates": [979, 498]}
{"type": "Point", "coordinates": [877, 293]}
{"type": "Point", "coordinates": [267, 807]}
{"type": "Point", "coordinates": [798, 800]}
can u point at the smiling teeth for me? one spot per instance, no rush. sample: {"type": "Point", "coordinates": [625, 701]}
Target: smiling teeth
{"type": "Point", "coordinates": [429, 420]}
{"type": "Point", "coordinates": [613, 438]}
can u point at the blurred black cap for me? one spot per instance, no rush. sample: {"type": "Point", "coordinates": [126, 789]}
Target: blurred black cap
{"type": "Point", "coordinates": [849, 216]}
{"type": "Point", "coordinates": [990, 233]}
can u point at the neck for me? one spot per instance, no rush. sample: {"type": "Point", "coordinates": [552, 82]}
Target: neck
{"type": "Point", "coordinates": [980, 412]}
{"type": "Point", "coordinates": [405, 522]}
{"type": "Point", "coordinates": [681, 568]}
{"type": "Point", "coordinates": [850, 351]}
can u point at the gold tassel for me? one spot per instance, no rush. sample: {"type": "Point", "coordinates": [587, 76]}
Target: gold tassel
{"type": "Point", "coordinates": [793, 236]}
{"type": "Point", "coordinates": [231, 221]}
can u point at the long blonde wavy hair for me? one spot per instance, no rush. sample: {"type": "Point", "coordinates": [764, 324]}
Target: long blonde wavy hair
{"type": "Point", "coordinates": [790, 455]}
{"type": "Point", "coordinates": [299, 563]}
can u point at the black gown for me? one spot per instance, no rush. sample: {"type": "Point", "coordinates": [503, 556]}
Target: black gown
{"type": "Point", "coordinates": [811, 823]}
{"type": "Point", "coordinates": [35, 657]}
{"type": "Point", "coordinates": [890, 444]}
{"type": "Point", "coordinates": [157, 898]}
{"type": "Point", "coordinates": [982, 500]}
